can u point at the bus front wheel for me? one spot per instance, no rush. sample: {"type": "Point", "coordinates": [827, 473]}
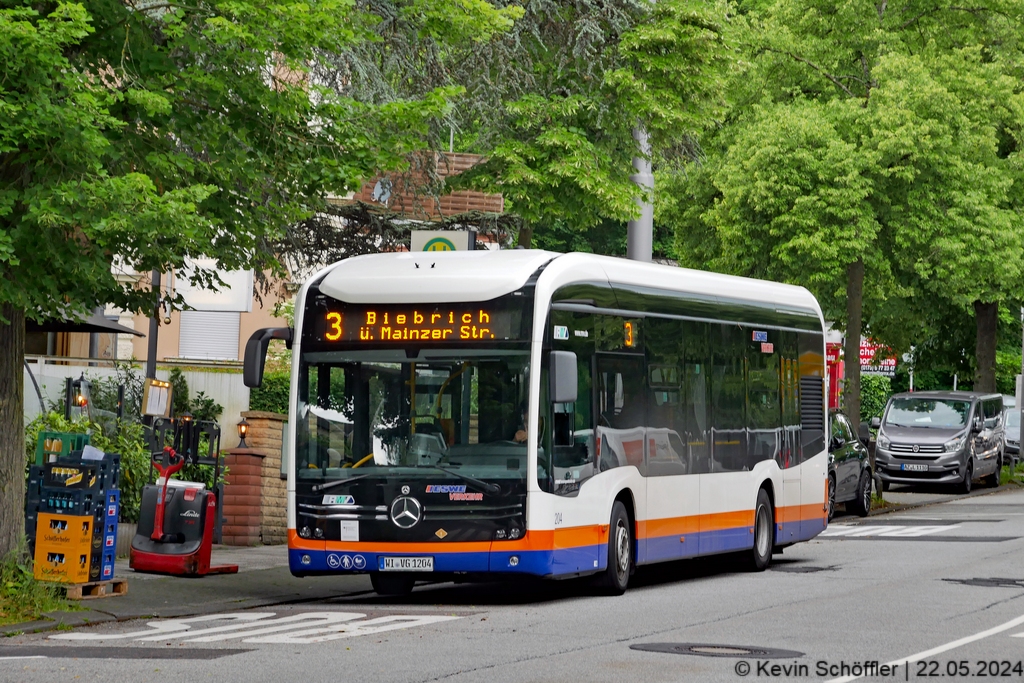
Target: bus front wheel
{"type": "Point", "coordinates": [386, 584]}
{"type": "Point", "coordinates": [764, 522]}
{"type": "Point", "coordinates": [620, 551]}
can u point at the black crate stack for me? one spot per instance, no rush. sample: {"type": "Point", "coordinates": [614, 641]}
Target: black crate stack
{"type": "Point", "coordinates": [70, 491]}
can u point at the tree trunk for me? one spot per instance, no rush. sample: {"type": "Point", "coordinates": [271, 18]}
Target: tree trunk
{"type": "Point", "coordinates": [854, 310]}
{"type": "Point", "coordinates": [12, 428]}
{"type": "Point", "coordinates": [525, 236]}
{"type": "Point", "coordinates": [986, 317]}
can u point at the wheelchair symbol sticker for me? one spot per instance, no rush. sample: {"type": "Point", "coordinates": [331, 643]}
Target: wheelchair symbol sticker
{"type": "Point", "coordinates": [334, 561]}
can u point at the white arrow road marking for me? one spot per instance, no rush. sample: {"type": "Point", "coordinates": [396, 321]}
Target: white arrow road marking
{"type": "Point", "coordinates": [164, 627]}
{"type": "Point", "coordinates": [266, 626]}
{"type": "Point", "coordinates": [351, 630]}
{"type": "Point", "coordinates": [942, 648]}
{"type": "Point", "coordinates": [259, 627]}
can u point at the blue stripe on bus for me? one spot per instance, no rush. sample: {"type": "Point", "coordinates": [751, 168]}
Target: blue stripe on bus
{"type": "Point", "coordinates": [554, 562]}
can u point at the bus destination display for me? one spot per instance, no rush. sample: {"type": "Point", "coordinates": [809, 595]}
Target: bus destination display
{"type": "Point", "coordinates": [416, 323]}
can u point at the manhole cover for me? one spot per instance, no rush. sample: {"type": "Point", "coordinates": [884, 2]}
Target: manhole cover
{"type": "Point", "coordinates": [990, 583]}
{"type": "Point", "coordinates": [717, 650]}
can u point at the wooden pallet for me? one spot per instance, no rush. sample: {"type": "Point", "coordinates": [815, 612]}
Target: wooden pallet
{"type": "Point", "coordinates": [96, 589]}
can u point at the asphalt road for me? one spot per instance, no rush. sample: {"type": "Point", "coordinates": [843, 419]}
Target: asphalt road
{"type": "Point", "coordinates": [941, 585]}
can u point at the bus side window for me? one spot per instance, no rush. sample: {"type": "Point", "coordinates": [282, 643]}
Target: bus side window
{"type": "Point", "coordinates": [697, 427]}
{"type": "Point", "coordinates": [728, 399]}
{"type": "Point", "coordinates": [572, 434]}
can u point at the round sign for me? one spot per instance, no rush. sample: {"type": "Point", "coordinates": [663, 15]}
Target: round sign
{"type": "Point", "coordinates": [439, 244]}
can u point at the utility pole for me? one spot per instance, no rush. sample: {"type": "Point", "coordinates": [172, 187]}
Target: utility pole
{"type": "Point", "coordinates": [640, 232]}
{"type": "Point", "coordinates": [154, 327]}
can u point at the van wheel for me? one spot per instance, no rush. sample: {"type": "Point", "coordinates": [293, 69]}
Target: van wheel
{"type": "Point", "coordinates": [620, 552]}
{"type": "Point", "coordinates": [965, 485]}
{"type": "Point", "coordinates": [993, 479]}
{"type": "Point", "coordinates": [764, 522]}
{"type": "Point", "coordinates": [861, 503]}
{"type": "Point", "coordinates": [385, 584]}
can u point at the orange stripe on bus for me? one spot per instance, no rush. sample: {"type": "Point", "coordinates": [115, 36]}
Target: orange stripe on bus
{"type": "Point", "coordinates": [568, 537]}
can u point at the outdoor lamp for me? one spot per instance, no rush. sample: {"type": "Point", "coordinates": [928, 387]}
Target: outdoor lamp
{"type": "Point", "coordinates": [81, 390]}
{"type": "Point", "coordinates": [243, 429]}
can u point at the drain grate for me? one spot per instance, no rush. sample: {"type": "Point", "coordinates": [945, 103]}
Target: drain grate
{"type": "Point", "coordinates": [990, 583]}
{"type": "Point", "coordinates": [717, 650]}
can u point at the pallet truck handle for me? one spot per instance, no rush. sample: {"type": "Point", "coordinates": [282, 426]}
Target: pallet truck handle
{"type": "Point", "coordinates": [174, 463]}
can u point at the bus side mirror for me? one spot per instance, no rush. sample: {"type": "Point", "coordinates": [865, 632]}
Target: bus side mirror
{"type": "Point", "coordinates": [256, 353]}
{"type": "Point", "coordinates": [564, 380]}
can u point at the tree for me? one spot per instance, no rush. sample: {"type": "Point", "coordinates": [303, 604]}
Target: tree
{"type": "Point", "coordinates": [139, 135]}
{"type": "Point", "coordinates": [871, 155]}
{"type": "Point", "coordinates": [552, 101]}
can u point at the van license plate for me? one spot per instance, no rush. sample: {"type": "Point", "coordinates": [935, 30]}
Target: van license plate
{"type": "Point", "coordinates": [914, 468]}
{"type": "Point", "coordinates": [406, 564]}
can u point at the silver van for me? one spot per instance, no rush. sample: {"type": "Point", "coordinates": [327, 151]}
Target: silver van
{"type": "Point", "coordinates": [940, 437]}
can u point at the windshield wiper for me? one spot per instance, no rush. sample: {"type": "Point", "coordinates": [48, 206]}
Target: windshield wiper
{"type": "Point", "coordinates": [486, 486]}
{"type": "Point", "coordinates": [317, 488]}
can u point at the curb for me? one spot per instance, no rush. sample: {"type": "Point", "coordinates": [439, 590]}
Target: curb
{"type": "Point", "coordinates": [910, 506]}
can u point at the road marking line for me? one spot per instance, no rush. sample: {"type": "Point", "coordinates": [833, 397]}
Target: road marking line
{"type": "Point", "coordinates": [25, 657]}
{"type": "Point", "coordinates": [942, 648]}
{"type": "Point", "coordinates": [164, 627]}
{"type": "Point", "coordinates": [259, 627]}
{"type": "Point", "coordinates": [912, 531]}
{"type": "Point", "coordinates": [350, 630]}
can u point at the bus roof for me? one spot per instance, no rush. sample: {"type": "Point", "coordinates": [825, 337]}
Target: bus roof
{"type": "Point", "coordinates": [438, 277]}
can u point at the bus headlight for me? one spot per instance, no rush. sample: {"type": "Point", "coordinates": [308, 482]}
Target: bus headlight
{"type": "Point", "coordinates": [304, 532]}
{"type": "Point", "coordinates": [515, 533]}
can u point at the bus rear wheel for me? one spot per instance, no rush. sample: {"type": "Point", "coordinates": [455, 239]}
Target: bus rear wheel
{"type": "Point", "coordinates": [387, 584]}
{"type": "Point", "coordinates": [764, 522]}
{"type": "Point", "coordinates": [620, 552]}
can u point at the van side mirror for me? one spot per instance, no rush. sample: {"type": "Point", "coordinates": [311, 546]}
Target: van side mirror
{"type": "Point", "coordinates": [876, 423]}
{"type": "Point", "coordinates": [978, 425]}
{"type": "Point", "coordinates": [256, 353]}
{"type": "Point", "coordinates": [564, 382]}
{"type": "Point", "coordinates": [863, 435]}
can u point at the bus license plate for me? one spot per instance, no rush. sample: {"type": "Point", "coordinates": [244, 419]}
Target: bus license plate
{"type": "Point", "coordinates": [914, 468]}
{"type": "Point", "coordinates": [407, 564]}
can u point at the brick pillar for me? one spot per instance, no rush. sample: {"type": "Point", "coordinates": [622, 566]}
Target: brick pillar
{"type": "Point", "coordinates": [255, 503]}
{"type": "Point", "coordinates": [242, 497]}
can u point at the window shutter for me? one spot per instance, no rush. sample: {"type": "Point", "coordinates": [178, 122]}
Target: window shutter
{"type": "Point", "coordinates": [209, 335]}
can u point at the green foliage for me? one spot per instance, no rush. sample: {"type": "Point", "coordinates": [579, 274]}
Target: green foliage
{"type": "Point", "coordinates": [127, 438]}
{"type": "Point", "coordinates": [874, 392]}
{"type": "Point", "coordinates": [22, 598]}
{"type": "Point", "coordinates": [272, 396]}
{"type": "Point", "coordinates": [181, 402]}
{"type": "Point", "coordinates": [1007, 369]}
{"type": "Point", "coordinates": [200, 407]}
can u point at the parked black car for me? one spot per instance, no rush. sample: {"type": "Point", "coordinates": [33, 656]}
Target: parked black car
{"type": "Point", "coordinates": [940, 437]}
{"type": "Point", "coordinates": [849, 468]}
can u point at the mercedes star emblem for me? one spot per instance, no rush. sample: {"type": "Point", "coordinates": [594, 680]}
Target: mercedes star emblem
{"type": "Point", "coordinates": [406, 512]}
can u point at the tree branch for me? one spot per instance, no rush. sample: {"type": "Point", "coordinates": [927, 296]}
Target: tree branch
{"type": "Point", "coordinates": [817, 68]}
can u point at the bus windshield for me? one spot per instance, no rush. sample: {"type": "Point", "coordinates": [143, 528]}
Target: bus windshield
{"type": "Point", "coordinates": [380, 412]}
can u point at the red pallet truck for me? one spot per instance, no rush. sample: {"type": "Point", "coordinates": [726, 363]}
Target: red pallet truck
{"type": "Point", "coordinates": [176, 522]}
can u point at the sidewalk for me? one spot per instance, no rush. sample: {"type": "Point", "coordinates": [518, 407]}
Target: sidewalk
{"type": "Point", "coordinates": [263, 579]}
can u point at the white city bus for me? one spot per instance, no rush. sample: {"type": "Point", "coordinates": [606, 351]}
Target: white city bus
{"type": "Point", "coordinates": [525, 412]}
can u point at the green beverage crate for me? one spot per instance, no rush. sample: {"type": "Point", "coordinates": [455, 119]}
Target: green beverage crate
{"type": "Point", "coordinates": [58, 444]}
